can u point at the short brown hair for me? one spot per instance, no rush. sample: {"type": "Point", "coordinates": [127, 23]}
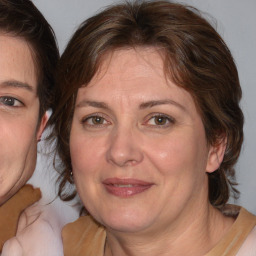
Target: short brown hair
{"type": "Point", "coordinates": [20, 18]}
{"type": "Point", "coordinates": [195, 57]}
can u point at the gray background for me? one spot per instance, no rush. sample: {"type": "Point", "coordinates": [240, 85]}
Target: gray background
{"type": "Point", "coordinates": [235, 21]}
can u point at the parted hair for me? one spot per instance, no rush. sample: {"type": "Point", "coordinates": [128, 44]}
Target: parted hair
{"type": "Point", "coordinates": [195, 58]}
{"type": "Point", "coordinates": [20, 18]}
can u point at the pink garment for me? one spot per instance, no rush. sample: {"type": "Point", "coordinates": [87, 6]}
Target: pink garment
{"type": "Point", "coordinates": [39, 231]}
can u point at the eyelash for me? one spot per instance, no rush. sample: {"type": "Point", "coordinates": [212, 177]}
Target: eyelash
{"type": "Point", "coordinates": [85, 120]}
{"type": "Point", "coordinates": [6, 99]}
{"type": "Point", "coordinates": [166, 119]}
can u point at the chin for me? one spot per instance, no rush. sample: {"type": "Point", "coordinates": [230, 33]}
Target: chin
{"type": "Point", "coordinates": [4, 197]}
{"type": "Point", "coordinates": [128, 221]}
{"type": "Point", "coordinates": [4, 193]}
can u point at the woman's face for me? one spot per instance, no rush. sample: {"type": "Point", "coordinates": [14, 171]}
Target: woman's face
{"type": "Point", "coordinates": [138, 146]}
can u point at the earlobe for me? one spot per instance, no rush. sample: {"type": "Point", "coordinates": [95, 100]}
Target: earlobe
{"type": "Point", "coordinates": [216, 155]}
{"type": "Point", "coordinates": [42, 125]}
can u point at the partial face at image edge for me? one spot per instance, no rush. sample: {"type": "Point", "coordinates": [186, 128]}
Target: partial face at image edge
{"type": "Point", "coordinates": [20, 127]}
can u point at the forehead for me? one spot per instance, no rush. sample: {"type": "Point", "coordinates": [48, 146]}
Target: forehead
{"type": "Point", "coordinates": [124, 59]}
{"type": "Point", "coordinates": [134, 74]}
{"type": "Point", "coordinates": [16, 61]}
{"type": "Point", "coordinates": [129, 66]}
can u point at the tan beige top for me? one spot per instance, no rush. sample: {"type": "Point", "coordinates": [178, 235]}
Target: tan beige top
{"type": "Point", "coordinates": [85, 237]}
{"type": "Point", "coordinates": [11, 210]}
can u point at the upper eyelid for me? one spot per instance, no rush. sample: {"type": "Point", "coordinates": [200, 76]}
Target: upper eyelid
{"type": "Point", "coordinates": [160, 115]}
{"type": "Point", "coordinates": [146, 118]}
{"type": "Point", "coordinates": [170, 121]}
{"type": "Point", "coordinates": [94, 115]}
{"type": "Point", "coordinates": [10, 95]}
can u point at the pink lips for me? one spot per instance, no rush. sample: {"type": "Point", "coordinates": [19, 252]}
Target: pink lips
{"type": "Point", "coordinates": [125, 187]}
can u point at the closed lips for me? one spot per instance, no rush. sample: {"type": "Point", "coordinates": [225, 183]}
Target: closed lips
{"type": "Point", "coordinates": [125, 182]}
{"type": "Point", "coordinates": [125, 187]}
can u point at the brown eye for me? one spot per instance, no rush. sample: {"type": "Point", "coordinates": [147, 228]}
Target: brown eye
{"type": "Point", "coordinates": [10, 101]}
{"type": "Point", "coordinates": [97, 120]}
{"type": "Point", "coordinates": [160, 120]}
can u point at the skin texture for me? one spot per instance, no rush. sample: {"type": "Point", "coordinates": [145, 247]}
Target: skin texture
{"type": "Point", "coordinates": [132, 123]}
{"type": "Point", "coordinates": [20, 128]}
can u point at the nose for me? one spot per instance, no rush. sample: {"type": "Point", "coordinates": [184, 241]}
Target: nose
{"type": "Point", "coordinates": [124, 148]}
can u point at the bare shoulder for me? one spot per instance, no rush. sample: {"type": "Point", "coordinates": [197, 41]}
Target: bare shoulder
{"type": "Point", "coordinates": [249, 246]}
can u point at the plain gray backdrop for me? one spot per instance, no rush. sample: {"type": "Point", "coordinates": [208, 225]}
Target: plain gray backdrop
{"type": "Point", "coordinates": [235, 20]}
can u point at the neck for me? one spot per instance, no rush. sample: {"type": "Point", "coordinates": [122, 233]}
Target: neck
{"type": "Point", "coordinates": [194, 235]}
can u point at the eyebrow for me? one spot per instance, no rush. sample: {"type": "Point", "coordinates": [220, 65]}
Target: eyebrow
{"type": "Point", "coordinates": [95, 104]}
{"type": "Point", "coordinates": [17, 84]}
{"type": "Point", "coordinates": [150, 104]}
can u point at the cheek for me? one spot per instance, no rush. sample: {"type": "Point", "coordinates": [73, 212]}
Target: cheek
{"type": "Point", "coordinates": [86, 155]}
{"type": "Point", "coordinates": [177, 155]}
{"type": "Point", "coordinates": [17, 154]}
{"type": "Point", "coordinates": [180, 162]}
{"type": "Point", "coordinates": [86, 161]}
{"type": "Point", "coordinates": [17, 137]}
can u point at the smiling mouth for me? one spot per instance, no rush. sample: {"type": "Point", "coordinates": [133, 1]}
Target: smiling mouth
{"type": "Point", "coordinates": [125, 187]}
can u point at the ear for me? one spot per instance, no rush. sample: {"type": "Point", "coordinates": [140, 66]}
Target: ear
{"type": "Point", "coordinates": [42, 126]}
{"type": "Point", "coordinates": [216, 155]}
